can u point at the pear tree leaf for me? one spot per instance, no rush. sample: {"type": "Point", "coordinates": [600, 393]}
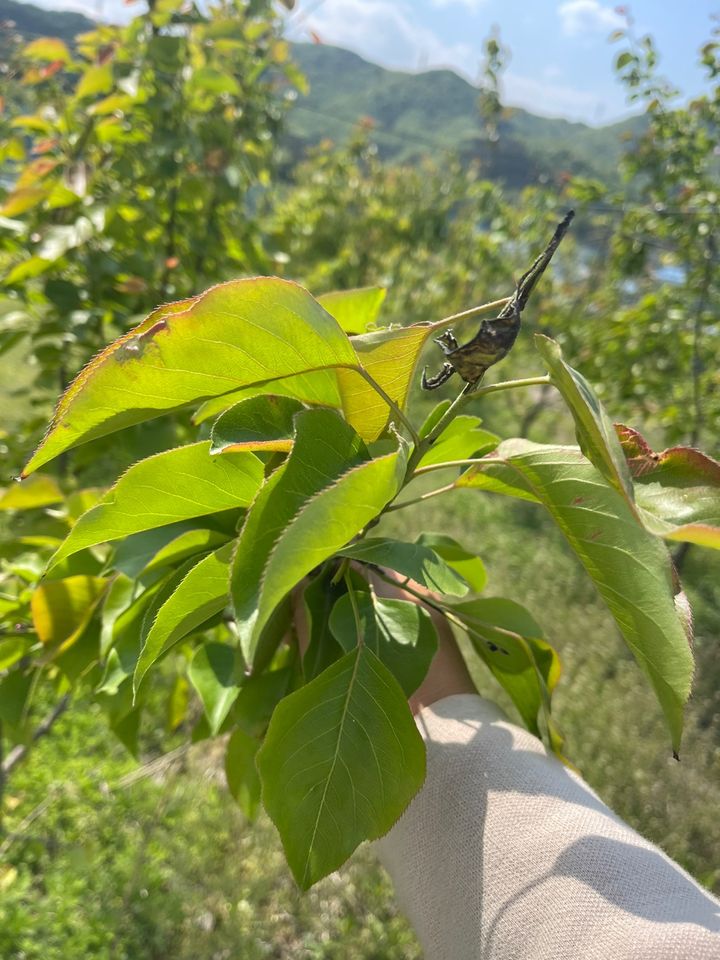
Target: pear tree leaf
{"type": "Point", "coordinates": [319, 598]}
{"type": "Point", "coordinates": [324, 525]}
{"type": "Point", "coordinates": [391, 358]}
{"type": "Point", "coordinates": [259, 423]}
{"type": "Point", "coordinates": [595, 432]}
{"type": "Point", "coordinates": [399, 632]}
{"type": "Point", "coordinates": [341, 760]}
{"type": "Point", "coordinates": [240, 772]}
{"type": "Point", "coordinates": [174, 485]}
{"type": "Point", "coordinates": [511, 643]}
{"type": "Point", "coordinates": [324, 448]}
{"type": "Point", "coordinates": [467, 564]}
{"type": "Point", "coordinates": [630, 567]}
{"type": "Point", "coordinates": [413, 560]}
{"type": "Point", "coordinates": [318, 388]}
{"type": "Point", "coordinates": [677, 491]}
{"type": "Point", "coordinates": [462, 438]}
{"type": "Point", "coordinates": [61, 609]}
{"type": "Point", "coordinates": [200, 595]}
{"type": "Point", "coordinates": [32, 493]}
{"type": "Point", "coordinates": [234, 335]}
{"type": "Point", "coordinates": [434, 417]}
{"type": "Point", "coordinates": [355, 310]}
{"type": "Point", "coordinates": [184, 546]}
{"type": "Point", "coordinates": [214, 671]}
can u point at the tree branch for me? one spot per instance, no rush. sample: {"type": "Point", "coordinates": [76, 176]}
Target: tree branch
{"type": "Point", "coordinates": [18, 754]}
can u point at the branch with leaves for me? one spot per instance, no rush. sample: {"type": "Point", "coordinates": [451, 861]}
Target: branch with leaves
{"type": "Point", "coordinates": [190, 559]}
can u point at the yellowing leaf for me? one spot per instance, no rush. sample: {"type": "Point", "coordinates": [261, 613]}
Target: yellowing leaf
{"type": "Point", "coordinates": [62, 608]}
{"type": "Point", "coordinates": [95, 80]}
{"type": "Point", "coordinates": [47, 49]}
{"type": "Point", "coordinates": [234, 335]}
{"type": "Point", "coordinates": [22, 200]}
{"type": "Point", "coordinates": [391, 358]}
{"type": "Point", "coordinates": [356, 309]}
{"type": "Point", "coordinates": [37, 491]}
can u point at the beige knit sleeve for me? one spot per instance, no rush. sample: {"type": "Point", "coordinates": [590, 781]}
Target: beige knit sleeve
{"type": "Point", "coordinates": [507, 855]}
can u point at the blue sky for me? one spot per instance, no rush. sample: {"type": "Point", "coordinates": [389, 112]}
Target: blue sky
{"type": "Point", "coordinates": [561, 61]}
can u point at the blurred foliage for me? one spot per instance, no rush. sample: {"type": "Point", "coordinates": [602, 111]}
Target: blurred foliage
{"type": "Point", "coordinates": [129, 163]}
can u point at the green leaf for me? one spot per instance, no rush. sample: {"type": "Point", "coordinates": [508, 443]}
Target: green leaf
{"type": "Point", "coordinates": [135, 553]}
{"type": "Point", "coordinates": [30, 494]}
{"type": "Point", "coordinates": [185, 545]}
{"type": "Point", "coordinates": [413, 560]}
{"type": "Point", "coordinates": [214, 671]}
{"type": "Point", "coordinates": [258, 697]}
{"type": "Point", "coordinates": [319, 598]}
{"type": "Point", "coordinates": [356, 309]}
{"type": "Point", "coordinates": [130, 626]}
{"type": "Point", "coordinates": [202, 594]}
{"type": "Point", "coordinates": [511, 643]}
{"type": "Point", "coordinates": [595, 432]}
{"type": "Point", "coordinates": [434, 417]}
{"type": "Point", "coordinates": [327, 523]}
{"type": "Point", "coordinates": [399, 632]}
{"type": "Point", "coordinates": [96, 79]}
{"type": "Point", "coordinates": [325, 447]}
{"type": "Point", "coordinates": [462, 438]}
{"type": "Point", "coordinates": [391, 358]}
{"type": "Point", "coordinates": [174, 485]}
{"type": "Point", "coordinates": [318, 388]}
{"type": "Point", "coordinates": [467, 564]}
{"type": "Point", "coordinates": [127, 730]}
{"type": "Point", "coordinates": [236, 334]}
{"type": "Point", "coordinates": [11, 650]}
{"type": "Point", "coordinates": [677, 491]}
{"type": "Point", "coordinates": [15, 694]}
{"type": "Point", "coordinates": [178, 703]}
{"type": "Point", "coordinates": [341, 760]}
{"type": "Point", "coordinates": [210, 80]}
{"type": "Point", "coordinates": [630, 567]}
{"type": "Point", "coordinates": [240, 772]}
{"type": "Point", "coordinates": [259, 423]}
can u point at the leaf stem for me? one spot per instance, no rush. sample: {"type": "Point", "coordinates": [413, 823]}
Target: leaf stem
{"type": "Point", "coordinates": [472, 312]}
{"type": "Point", "coordinates": [504, 385]}
{"type": "Point", "coordinates": [425, 496]}
{"type": "Point", "coordinates": [390, 402]}
{"type": "Point", "coordinates": [457, 463]}
{"type": "Point", "coordinates": [355, 610]}
{"type": "Point", "coordinates": [469, 392]}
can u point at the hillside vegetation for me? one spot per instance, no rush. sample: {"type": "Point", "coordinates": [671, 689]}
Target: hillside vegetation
{"type": "Point", "coordinates": [413, 115]}
{"type": "Point", "coordinates": [430, 113]}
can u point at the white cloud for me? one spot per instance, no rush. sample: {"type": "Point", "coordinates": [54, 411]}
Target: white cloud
{"type": "Point", "coordinates": [472, 5]}
{"type": "Point", "coordinates": [387, 32]}
{"type": "Point", "coordinates": [550, 99]}
{"type": "Point", "coordinates": [588, 16]}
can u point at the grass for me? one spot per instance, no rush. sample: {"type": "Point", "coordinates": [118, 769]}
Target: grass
{"type": "Point", "coordinates": [105, 864]}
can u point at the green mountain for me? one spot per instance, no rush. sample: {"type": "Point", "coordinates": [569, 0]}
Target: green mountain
{"type": "Point", "coordinates": [31, 21]}
{"type": "Point", "coordinates": [432, 112]}
{"type": "Point", "coordinates": [414, 114]}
